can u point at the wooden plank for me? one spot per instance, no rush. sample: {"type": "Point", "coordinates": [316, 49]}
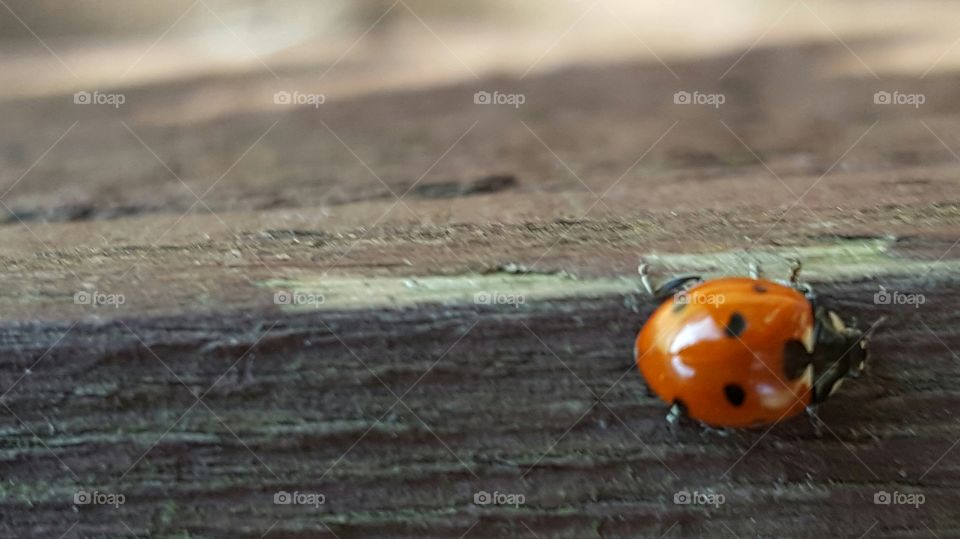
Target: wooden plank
{"type": "Point", "coordinates": [399, 407]}
{"type": "Point", "coordinates": [497, 399]}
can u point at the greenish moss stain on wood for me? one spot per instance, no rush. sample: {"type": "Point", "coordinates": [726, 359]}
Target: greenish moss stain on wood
{"type": "Point", "coordinates": [842, 259]}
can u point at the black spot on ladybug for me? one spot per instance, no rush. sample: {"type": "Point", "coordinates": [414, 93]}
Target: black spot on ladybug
{"type": "Point", "coordinates": [734, 394]}
{"type": "Point", "coordinates": [678, 306]}
{"type": "Point", "coordinates": [736, 325]}
{"type": "Point", "coordinates": [759, 288]}
{"type": "Point", "coordinates": [796, 359]}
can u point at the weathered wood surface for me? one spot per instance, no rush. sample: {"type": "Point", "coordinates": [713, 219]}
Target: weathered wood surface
{"type": "Point", "coordinates": [541, 401]}
{"type": "Point", "coordinates": [400, 413]}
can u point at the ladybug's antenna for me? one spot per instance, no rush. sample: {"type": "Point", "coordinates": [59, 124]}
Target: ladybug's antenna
{"type": "Point", "coordinates": [873, 328]}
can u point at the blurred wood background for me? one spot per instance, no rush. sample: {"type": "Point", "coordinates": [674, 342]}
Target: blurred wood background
{"type": "Point", "coordinates": [387, 384]}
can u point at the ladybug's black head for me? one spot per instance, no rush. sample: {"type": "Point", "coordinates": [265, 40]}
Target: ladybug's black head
{"type": "Point", "coordinates": [852, 352]}
{"type": "Point", "coordinates": [841, 351]}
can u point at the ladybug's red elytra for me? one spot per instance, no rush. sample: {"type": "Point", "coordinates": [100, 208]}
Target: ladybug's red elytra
{"type": "Point", "coordinates": [744, 351]}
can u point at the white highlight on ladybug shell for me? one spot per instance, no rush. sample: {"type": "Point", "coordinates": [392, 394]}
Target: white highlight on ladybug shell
{"type": "Point", "coordinates": [681, 368]}
{"type": "Point", "coordinates": [778, 397]}
{"type": "Point", "coordinates": [695, 333]}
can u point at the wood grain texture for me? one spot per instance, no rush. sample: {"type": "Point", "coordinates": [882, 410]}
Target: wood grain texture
{"type": "Point", "coordinates": [198, 399]}
{"type": "Point", "coordinates": [542, 401]}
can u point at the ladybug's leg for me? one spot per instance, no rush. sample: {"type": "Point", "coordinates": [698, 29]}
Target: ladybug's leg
{"type": "Point", "coordinates": [804, 288]}
{"type": "Point", "coordinates": [755, 271]}
{"type": "Point", "coordinates": [677, 284]}
{"type": "Point", "coordinates": [666, 290]}
{"type": "Point", "coordinates": [676, 413]}
{"type": "Point", "coordinates": [795, 267]}
{"type": "Point", "coordinates": [707, 429]}
{"type": "Point", "coordinates": [815, 420]}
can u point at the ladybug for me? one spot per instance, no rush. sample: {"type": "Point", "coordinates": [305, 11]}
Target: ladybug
{"type": "Point", "coordinates": [744, 351]}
